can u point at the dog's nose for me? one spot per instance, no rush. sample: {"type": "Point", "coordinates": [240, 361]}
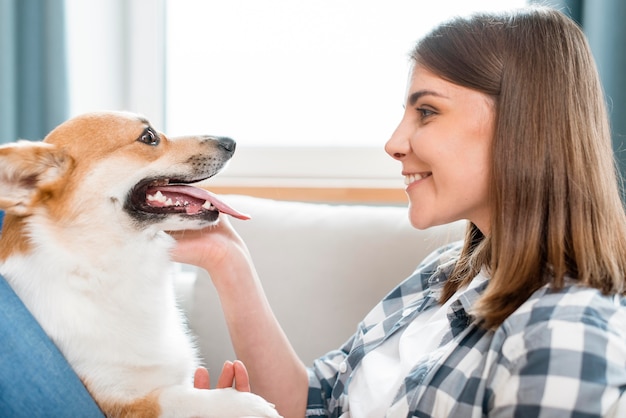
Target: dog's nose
{"type": "Point", "coordinates": [227, 143]}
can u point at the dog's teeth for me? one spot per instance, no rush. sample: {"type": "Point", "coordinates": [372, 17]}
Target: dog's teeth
{"type": "Point", "coordinates": [157, 197]}
{"type": "Point", "coordinates": [208, 205]}
{"type": "Point", "coordinates": [169, 202]}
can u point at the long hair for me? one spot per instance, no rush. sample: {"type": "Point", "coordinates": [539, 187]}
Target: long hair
{"type": "Point", "coordinates": [554, 194]}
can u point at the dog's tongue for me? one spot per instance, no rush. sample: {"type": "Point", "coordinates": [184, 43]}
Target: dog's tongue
{"type": "Point", "coordinates": [183, 192]}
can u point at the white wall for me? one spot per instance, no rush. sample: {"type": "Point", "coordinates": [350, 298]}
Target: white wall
{"type": "Point", "coordinates": [116, 55]}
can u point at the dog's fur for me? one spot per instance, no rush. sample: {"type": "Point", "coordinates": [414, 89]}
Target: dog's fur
{"type": "Point", "coordinates": [86, 252]}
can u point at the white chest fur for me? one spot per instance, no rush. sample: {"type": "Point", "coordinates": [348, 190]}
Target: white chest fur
{"type": "Point", "coordinates": [107, 309]}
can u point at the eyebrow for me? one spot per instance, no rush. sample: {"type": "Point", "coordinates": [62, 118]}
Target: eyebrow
{"type": "Point", "coordinates": [414, 97]}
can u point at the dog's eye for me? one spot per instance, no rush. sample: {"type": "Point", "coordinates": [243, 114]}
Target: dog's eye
{"type": "Point", "coordinates": [149, 137]}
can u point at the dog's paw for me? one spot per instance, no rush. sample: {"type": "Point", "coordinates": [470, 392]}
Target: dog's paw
{"type": "Point", "coordinates": [179, 401]}
{"type": "Point", "coordinates": [248, 405]}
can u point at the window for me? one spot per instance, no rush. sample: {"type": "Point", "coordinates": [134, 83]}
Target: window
{"type": "Point", "coordinates": [310, 89]}
{"type": "Point", "coordinates": [312, 73]}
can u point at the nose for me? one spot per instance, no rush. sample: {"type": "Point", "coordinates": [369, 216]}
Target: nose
{"type": "Point", "coordinates": [228, 144]}
{"type": "Point", "coordinates": [397, 146]}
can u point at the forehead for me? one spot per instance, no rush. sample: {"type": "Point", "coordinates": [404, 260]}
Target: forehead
{"type": "Point", "coordinates": [91, 136]}
{"type": "Point", "coordinates": [98, 126]}
{"type": "Point", "coordinates": [425, 83]}
{"type": "Point", "coordinates": [422, 79]}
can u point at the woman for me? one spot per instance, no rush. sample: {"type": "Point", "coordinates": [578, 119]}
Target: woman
{"type": "Point", "coordinates": [505, 126]}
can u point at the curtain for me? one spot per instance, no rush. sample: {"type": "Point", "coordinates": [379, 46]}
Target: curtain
{"type": "Point", "coordinates": [603, 24]}
{"type": "Point", "coordinates": [33, 79]}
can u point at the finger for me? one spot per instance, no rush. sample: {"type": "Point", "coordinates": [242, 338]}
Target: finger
{"type": "Point", "coordinates": [227, 377]}
{"type": "Point", "coordinates": [242, 379]}
{"type": "Point", "coordinates": [201, 379]}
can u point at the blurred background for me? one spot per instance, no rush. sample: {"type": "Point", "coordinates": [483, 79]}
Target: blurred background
{"type": "Point", "coordinates": [310, 89]}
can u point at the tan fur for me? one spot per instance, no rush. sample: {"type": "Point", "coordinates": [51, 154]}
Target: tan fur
{"type": "Point", "coordinates": [37, 173]}
{"type": "Point", "coordinates": [12, 238]}
{"type": "Point", "coordinates": [85, 249]}
{"type": "Point", "coordinates": [147, 407]}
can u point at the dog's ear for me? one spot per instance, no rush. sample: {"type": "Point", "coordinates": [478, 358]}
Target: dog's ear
{"type": "Point", "coordinates": [26, 170]}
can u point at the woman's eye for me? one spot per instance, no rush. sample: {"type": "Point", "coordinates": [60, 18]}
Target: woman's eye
{"type": "Point", "coordinates": [149, 137]}
{"type": "Point", "coordinates": [423, 112]}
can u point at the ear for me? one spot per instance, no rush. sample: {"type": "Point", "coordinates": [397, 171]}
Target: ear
{"type": "Point", "coordinates": [25, 169]}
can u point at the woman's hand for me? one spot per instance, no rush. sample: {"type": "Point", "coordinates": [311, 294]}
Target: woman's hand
{"type": "Point", "coordinates": [214, 248]}
{"type": "Point", "coordinates": [255, 333]}
{"type": "Point", "coordinates": [234, 374]}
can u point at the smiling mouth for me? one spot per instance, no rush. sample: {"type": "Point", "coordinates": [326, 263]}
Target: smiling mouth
{"type": "Point", "coordinates": [411, 178]}
{"type": "Point", "coordinates": [166, 196]}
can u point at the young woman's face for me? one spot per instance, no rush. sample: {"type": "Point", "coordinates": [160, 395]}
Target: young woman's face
{"type": "Point", "coordinates": [443, 142]}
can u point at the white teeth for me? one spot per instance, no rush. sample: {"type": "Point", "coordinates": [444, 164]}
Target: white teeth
{"type": "Point", "coordinates": [410, 178]}
{"type": "Point", "coordinates": [161, 198]}
{"type": "Point", "coordinates": [158, 197]}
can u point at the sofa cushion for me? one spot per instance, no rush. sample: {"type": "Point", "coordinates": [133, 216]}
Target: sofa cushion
{"type": "Point", "coordinates": [322, 266]}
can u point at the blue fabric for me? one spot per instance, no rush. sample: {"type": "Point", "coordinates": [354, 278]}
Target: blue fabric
{"type": "Point", "coordinates": [35, 379]}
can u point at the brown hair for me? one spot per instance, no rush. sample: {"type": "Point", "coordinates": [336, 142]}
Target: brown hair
{"type": "Point", "coordinates": [555, 202]}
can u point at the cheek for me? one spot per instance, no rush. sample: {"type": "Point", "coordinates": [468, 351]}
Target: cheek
{"type": "Point", "coordinates": [481, 186]}
{"type": "Point", "coordinates": [474, 188]}
{"type": "Point", "coordinates": [461, 179]}
{"type": "Point", "coordinates": [474, 171]}
{"type": "Point", "coordinates": [473, 154]}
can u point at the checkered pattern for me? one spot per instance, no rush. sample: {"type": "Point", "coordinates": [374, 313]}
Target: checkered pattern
{"type": "Point", "coordinates": [562, 353]}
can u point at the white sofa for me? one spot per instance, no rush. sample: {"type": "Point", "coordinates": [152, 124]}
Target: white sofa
{"type": "Point", "coordinates": [322, 266]}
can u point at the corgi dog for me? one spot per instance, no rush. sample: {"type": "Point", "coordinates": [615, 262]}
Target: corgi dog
{"type": "Point", "coordinates": [84, 247]}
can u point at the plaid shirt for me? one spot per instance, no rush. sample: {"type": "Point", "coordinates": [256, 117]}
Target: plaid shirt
{"type": "Point", "coordinates": [562, 353]}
